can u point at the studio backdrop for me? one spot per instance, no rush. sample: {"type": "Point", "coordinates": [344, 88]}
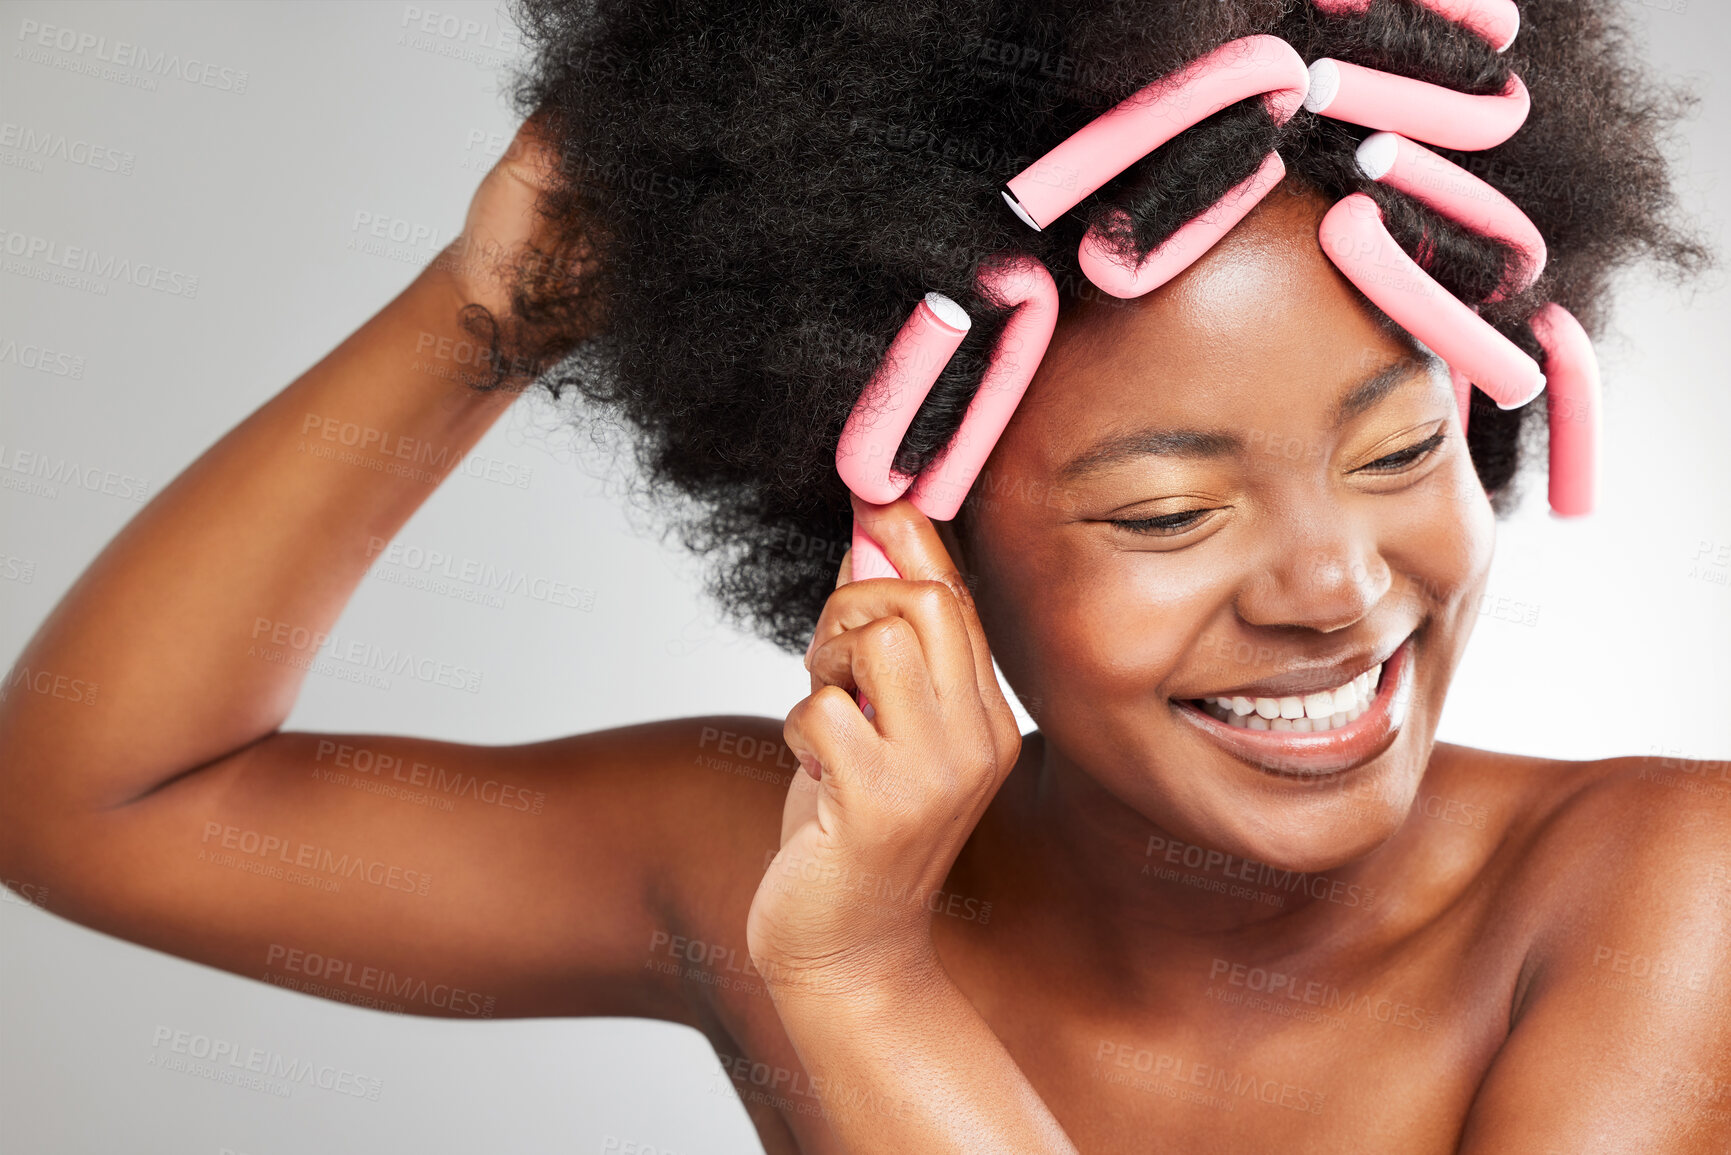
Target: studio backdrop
{"type": "Point", "coordinates": [288, 175]}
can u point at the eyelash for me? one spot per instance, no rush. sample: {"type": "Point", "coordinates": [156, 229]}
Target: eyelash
{"type": "Point", "coordinates": [1404, 458]}
{"type": "Point", "coordinates": [1165, 525]}
{"type": "Point", "coordinates": [1171, 524]}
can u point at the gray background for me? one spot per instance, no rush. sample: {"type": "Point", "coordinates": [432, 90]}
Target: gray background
{"type": "Point", "coordinates": [1602, 637]}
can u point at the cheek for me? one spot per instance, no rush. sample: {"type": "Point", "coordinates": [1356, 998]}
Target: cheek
{"type": "Point", "coordinates": [1441, 547]}
{"type": "Point", "coordinates": [1092, 624]}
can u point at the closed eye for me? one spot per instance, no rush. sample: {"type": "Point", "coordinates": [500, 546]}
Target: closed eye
{"type": "Point", "coordinates": [1166, 524]}
{"type": "Point", "coordinates": [1405, 458]}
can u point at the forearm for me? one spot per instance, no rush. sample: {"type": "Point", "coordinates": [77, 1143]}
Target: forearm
{"type": "Point", "coordinates": [254, 548]}
{"type": "Point", "coordinates": [908, 1064]}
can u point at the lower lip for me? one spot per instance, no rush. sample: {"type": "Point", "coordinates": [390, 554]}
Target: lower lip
{"type": "Point", "coordinates": [1316, 755]}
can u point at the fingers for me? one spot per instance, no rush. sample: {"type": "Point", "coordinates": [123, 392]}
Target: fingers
{"type": "Point", "coordinates": [884, 660]}
{"type": "Point", "coordinates": [828, 729]}
{"type": "Point", "coordinates": [911, 542]}
{"type": "Point", "coordinates": [938, 652]}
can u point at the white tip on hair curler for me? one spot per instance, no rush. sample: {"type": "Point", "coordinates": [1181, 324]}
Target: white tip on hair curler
{"type": "Point", "coordinates": [949, 312]}
{"type": "Point", "coordinates": [1016, 207]}
{"type": "Point", "coordinates": [1377, 154]}
{"type": "Point", "coordinates": [1324, 84]}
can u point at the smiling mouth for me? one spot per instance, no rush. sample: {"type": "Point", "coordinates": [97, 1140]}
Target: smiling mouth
{"type": "Point", "coordinates": [1319, 733]}
{"type": "Point", "coordinates": [1320, 712]}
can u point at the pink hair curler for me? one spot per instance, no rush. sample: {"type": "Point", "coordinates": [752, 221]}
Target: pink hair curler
{"type": "Point", "coordinates": [1498, 21]}
{"type": "Point", "coordinates": [1356, 240]}
{"type": "Point", "coordinates": [922, 347]}
{"type": "Point", "coordinates": [1574, 408]}
{"type": "Point", "coordinates": [927, 340]}
{"type": "Point", "coordinates": [1427, 112]}
{"type": "Point", "coordinates": [1024, 283]}
{"type": "Point", "coordinates": [1261, 65]}
{"type": "Point", "coordinates": [1397, 162]}
{"type": "Point", "coordinates": [1184, 247]}
{"type": "Point", "coordinates": [920, 351]}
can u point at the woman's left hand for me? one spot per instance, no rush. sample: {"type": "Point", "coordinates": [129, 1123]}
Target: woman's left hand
{"type": "Point", "coordinates": [880, 809]}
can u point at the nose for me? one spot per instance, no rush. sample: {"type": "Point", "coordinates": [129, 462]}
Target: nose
{"type": "Point", "coordinates": [1325, 576]}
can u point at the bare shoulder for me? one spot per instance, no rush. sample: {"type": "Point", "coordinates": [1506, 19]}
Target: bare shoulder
{"type": "Point", "coordinates": [1609, 849]}
{"type": "Point", "coordinates": [1621, 872]}
{"type": "Point", "coordinates": [1616, 824]}
{"type": "Point", "coordinates": [1575, 816]}
{"type": "Point", "coordinates": [731, 773]}
{"type": "Point", "coordinates": [1618, 879]}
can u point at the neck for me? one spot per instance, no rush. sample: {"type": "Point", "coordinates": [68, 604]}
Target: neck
{"type": "Point", "coordinates": [1098, 872]}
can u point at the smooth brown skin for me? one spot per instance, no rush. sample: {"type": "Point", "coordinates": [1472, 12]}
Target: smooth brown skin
{"type": "Point", "coordinates": [1479, 913]}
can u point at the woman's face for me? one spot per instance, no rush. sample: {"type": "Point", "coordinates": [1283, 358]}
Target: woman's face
{"type": "Point", "coordinates": [1307, 510]}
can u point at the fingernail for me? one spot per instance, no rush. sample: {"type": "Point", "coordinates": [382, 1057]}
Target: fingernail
{"type": "Point", "coordinates": [812, 765]}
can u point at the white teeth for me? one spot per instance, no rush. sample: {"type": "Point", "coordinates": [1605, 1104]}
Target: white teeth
{"type": "Point", "coordinates": [1311, 713]}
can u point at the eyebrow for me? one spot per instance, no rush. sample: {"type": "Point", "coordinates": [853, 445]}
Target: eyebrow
{"type": "Point", "coordinates": [1196, 443]}
{"type": "Point", "coordinates": [1379, 385]}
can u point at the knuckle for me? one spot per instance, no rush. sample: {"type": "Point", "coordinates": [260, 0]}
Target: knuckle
{"type": "Point", "coordinates": [930, 597]}
{"type": "Point", "coordinates": [888, 637]}
{"type": "Point", "coordinates": [794, 725]}
{"type": "Point", "coordinates": [828, 701]}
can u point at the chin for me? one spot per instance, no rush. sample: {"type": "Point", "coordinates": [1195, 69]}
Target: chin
{"type": "Point", "coordinates": [1311, 798]}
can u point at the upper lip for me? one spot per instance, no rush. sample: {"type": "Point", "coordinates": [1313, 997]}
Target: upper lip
{"type": "Point", "coordinates": [1311, 677]}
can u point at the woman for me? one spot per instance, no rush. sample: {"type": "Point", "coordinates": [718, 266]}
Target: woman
{"type": "Point", "coordinates": [1139, 926]}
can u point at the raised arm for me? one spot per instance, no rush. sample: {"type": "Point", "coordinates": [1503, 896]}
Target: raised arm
{"type": "Point", "coordinates": [256, 547]}
{"type": "Point", "coordinates": [146, 789]}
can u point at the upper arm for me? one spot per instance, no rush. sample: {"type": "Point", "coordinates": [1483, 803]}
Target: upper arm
{"type": "Point", "coordinates": [1621, 1040]}
{"type": "Point", "coordinates": [429, 877]}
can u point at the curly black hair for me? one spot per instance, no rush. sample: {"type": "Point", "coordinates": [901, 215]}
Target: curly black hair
{"type": "Point", "coordinates": [753, 195]}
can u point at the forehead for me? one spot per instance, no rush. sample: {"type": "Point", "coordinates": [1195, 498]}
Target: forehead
{"type": "Point", "coordinates": [1261, 332]}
